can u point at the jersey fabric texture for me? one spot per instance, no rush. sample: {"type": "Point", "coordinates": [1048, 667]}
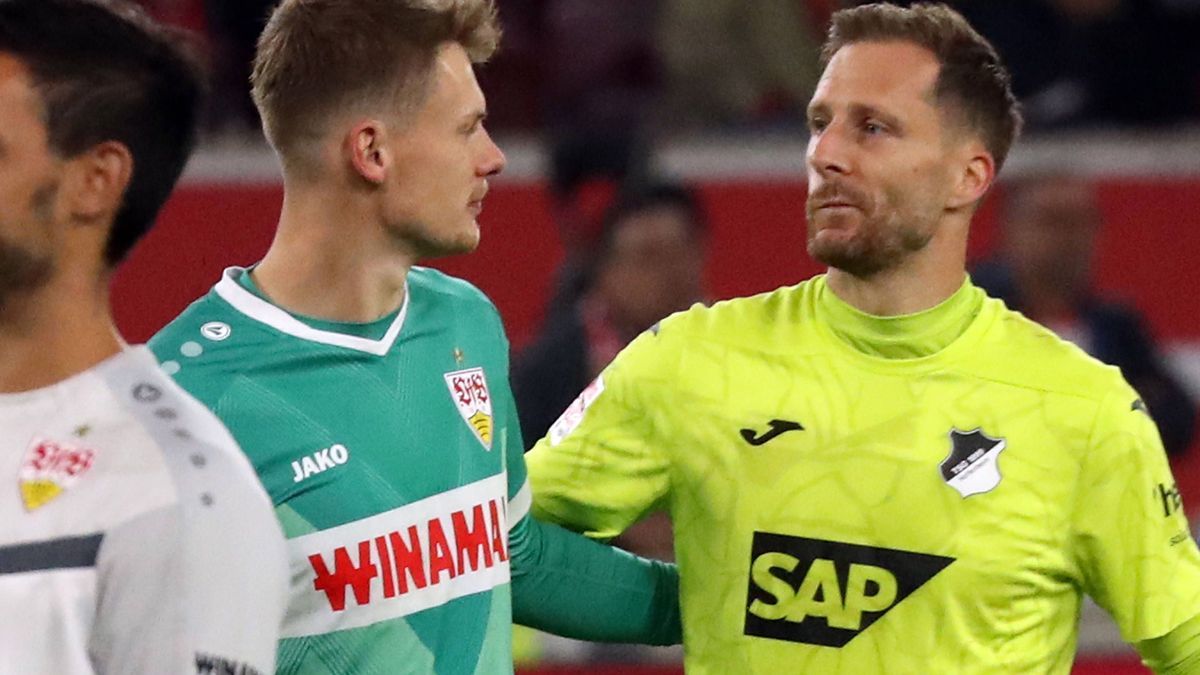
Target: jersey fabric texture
{"type": "Point", "coordinates": [134, 536]}
{"type": "Point", "coordinates": [393, 455]}
{"type": "Point", "coordinates": [930, 493]}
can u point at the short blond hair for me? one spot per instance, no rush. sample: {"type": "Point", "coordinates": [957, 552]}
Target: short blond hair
{"type": "Point", "coordinates": [318, 57]}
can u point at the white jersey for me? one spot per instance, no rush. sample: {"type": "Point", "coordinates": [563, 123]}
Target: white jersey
{"type": "Point", "coordinates": [134, 535]}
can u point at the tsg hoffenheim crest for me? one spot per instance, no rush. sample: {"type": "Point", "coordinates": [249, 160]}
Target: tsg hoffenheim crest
{"type": "Point", "coordinates": [470, 392]}
{"type": "Point", "coordinates": [972, 466]}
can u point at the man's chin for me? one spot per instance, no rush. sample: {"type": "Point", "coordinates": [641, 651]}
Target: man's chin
{"type": "Point", "coordinates": [450, 247]}
{"type": "Point", "coordinates": [845, 256]}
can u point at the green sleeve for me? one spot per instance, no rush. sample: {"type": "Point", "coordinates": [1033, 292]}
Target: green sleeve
{"type": "Point", "coordinates": [1176, 653]}
{"type": "Point", "coordinates": [566, 584]}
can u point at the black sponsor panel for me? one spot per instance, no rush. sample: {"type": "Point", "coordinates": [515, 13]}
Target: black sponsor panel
{"type": "Point", "coordinates": [826, 592]}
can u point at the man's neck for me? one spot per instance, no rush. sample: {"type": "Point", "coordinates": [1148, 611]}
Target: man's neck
{"type": "Point", "coordinates": [331, 260]}
{"type": "Point", "coordinates": [920, 282]}
{"type": "Point", "coordinates": [60, 330]}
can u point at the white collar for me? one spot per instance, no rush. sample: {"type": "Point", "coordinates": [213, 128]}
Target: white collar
{"type": "Point", "coordinates": [260, 310]}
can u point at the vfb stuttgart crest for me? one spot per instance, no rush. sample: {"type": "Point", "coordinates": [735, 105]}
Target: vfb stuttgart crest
{"type": "Point", "coordinates": [49, 468]}
{"type": "Point", "coordinates": [470, 392]}
{"type": "Point", "coordinates": [972, 466]}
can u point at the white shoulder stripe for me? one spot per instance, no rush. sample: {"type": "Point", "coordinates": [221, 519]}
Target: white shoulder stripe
{"type": "Point", "coordinates": [519, 505]}
{"type": "Point", "coordinates": [264, 312]}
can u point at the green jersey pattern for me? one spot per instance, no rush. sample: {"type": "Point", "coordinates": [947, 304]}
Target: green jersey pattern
{"type": "Point", "coordinates": [848, 499]}
{"type": "Point", "coordinates": [393, 456]}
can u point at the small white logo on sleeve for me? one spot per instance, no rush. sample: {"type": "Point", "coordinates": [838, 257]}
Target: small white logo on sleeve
{"type": "Point", "coordinates": [573, 416]}
{"type": "Point", "coordinates": [216, 331]}
{"type": "Point", "coordinates": [321, 460]}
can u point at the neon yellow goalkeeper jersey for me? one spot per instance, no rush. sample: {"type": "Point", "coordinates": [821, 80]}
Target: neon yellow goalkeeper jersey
{"type": "Point", "coordinates": [930, 493]}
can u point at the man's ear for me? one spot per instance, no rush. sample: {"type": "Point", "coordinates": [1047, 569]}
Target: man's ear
{"type": "Point", "coordinates": [976, 173]}
{"type": "Point", "coordinates": [369, 155]}
{"type": "Point", "coordinates": [99, 176]}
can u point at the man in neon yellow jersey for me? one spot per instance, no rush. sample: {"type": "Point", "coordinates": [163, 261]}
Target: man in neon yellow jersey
{"type": "Point", "coordinates": [881, 470]}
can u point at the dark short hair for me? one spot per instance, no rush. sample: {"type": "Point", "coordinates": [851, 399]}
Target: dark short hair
{"type": "Point", "coordinates": [972, 82]}
{"type": "Point", "coordinates": [644, 195]}
{"type": "Point", "coordinates": [316, 57]}
{"type": "Point", "coordinates": [104, 71]}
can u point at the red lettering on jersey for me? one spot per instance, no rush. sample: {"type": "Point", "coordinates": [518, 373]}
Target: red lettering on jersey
{"type": "Point", "coordinates": [44, 455]}
{"type": "Point", "coordinates": [385, 560]}
{"type": "Point", "coordinates": [409, 561]}
{"type": "Point", "coordinates": [345, 573]}
{"type": "Point", "coordinates": [49, 455]}
{"type": "Point", "coordinates": [499, 533]}
{"type": "Point", "coordinates": [462, 389]}
{"type": "Point", "coordinates": [478, 388]}
{"type": "Point", "coordinates": [472, 543]}
{"type": "Point", "coordinates": [471, 390]}
{"type": "Point", "coordinates": [441, 559]}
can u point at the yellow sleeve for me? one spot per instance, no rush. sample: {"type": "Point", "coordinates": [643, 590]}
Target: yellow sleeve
{"type": "Point", "coordinates": [1176, 653]}
{"type": "Point", "coordinates": [604, 464]}
{"type": "Point", "coordinates": [1136, 556]}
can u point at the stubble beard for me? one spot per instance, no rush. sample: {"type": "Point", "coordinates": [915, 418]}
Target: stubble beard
{"type": "Point", "coordinates": [23, 271]}
{"type": "Point", "coordinates": [425, 242]}
{"type": "Point", "coordinates": [881, 241]}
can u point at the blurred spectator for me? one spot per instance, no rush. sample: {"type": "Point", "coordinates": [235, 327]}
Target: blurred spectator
{"type": "Point", "coordinates": [515, 76]}
{"type": "Point", "coordinates": [647, 265]}
{"type": "Point", "coordinates": [1097, 61]}
{"type": "Point", "coordinates": [234, 27]}
{"type": "Point", "coordinates": [736, 65]}
{"type": "Point", "coordinates": [1044, 270]}
{"type": "Point", "coordinates": [601, 75]}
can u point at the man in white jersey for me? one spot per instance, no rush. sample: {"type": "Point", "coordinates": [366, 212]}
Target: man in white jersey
{"type": "Point", "coordinates": [134, 536]}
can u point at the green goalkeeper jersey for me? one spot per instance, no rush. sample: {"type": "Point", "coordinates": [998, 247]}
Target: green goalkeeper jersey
{"type": "Point", "coordinates": [931, 493]}
{"type": "Point", "coordinates": [393, 456]}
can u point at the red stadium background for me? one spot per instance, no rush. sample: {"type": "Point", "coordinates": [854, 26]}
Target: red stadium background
{"type": "Point", "coordinates": [1148, 254]}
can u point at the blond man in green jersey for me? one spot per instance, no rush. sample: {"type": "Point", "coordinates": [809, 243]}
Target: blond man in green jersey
{"type": "Point", "coordinates": [369, 392]}
{"type": "Point", "coordinates": [881, 470]}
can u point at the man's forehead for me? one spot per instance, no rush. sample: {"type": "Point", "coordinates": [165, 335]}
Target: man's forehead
{"type": "Point", "coordinates": [16, 83]}
{"type": "Point", "coordinates": [878, 73]}
{"type": "Point", "coordinates": [454, 82]}
{"type": "Point", "coordinates": [13, 71]}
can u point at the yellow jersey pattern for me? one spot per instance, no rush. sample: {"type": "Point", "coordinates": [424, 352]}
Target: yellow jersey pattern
{"type": "Point", "coordinates": [924, 494]}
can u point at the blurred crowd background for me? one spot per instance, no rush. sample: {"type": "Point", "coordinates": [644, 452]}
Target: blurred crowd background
{"type": "Point", "coordinates": [597, 89]}
{"type": "Point", "coordinates": [582, 69]}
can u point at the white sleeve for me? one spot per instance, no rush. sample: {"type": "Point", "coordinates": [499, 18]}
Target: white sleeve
{"type": "Point", "coordinates": [197, 587]}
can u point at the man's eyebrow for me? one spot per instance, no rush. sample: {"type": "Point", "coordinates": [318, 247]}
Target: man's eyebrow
{"type": "Point", "coordinates": [865, 110]}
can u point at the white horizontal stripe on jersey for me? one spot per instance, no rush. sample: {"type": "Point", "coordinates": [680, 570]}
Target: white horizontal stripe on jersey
{"type": "Point", "coordinates": [400, 562]}
{"type": "Point", "coordinates": [519, 505]}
